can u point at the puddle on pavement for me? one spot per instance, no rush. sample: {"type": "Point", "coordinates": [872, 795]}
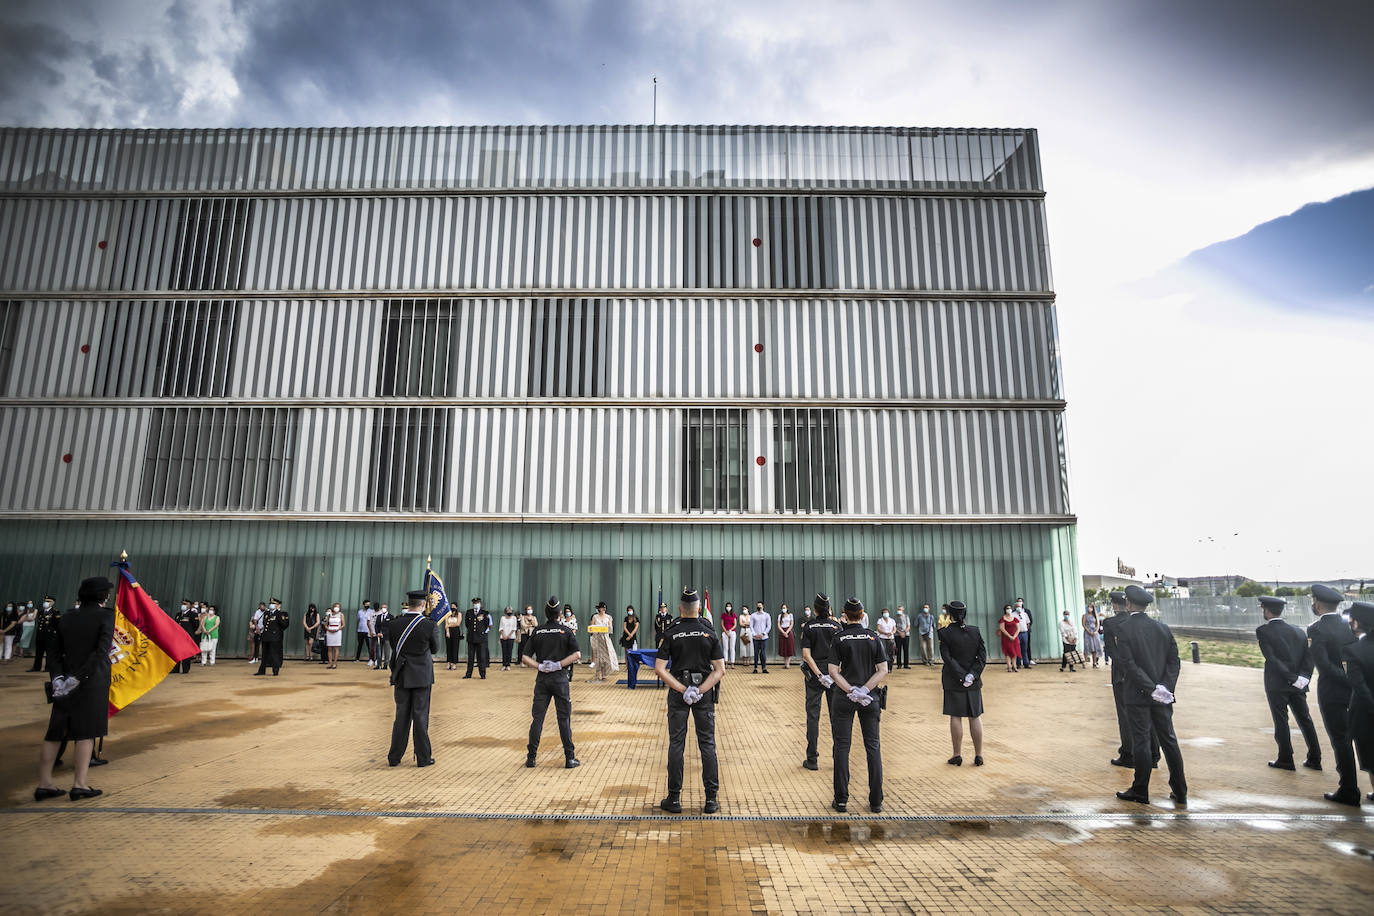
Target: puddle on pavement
{"type": "Point", "coordinates": [510, 744]}
{"type": "Point", "coordinates": [1201, 742]}
{"type": "Point", "coordinates": [624, 791]}
{"type": "Point", "coordinates": [1026, 790]}
{"type": "Point", "coordinates": [1163, 878]}
{"type": "Point", "coordinates": [290, 796]}
{"type": "Point", "coordinates": [1352, 849]}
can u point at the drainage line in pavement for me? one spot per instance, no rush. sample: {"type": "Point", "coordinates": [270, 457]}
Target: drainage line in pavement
{"type": "Point", "coordinates": [971, 819]}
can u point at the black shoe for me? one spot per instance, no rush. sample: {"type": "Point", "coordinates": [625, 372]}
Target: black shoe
{"type": "Point", "coordinates": [765, 670]}
{"type": "Point", "coordinates": [98, 761]}
{"type": "Point", "coordinates": [41, 794]}
{"type": "Point", "coordinates": [467, 677]}
{"type": "Point", "coordinates": [955, 761]}
{"type": "Point", "coordinates": [977, 761]}
{"type": "Point", "coordinates": [1313, 764]}
{"type": "Point", "coordinates": [393, 763]}
{"type": "Point", "coordinates": [810, 765]}
{"type": "Point", "coordinates": [1123, 762]}
{"type": "Point", "coordinates": [1180, 800]}
{"type": "Point", "coordinates": [1283, 764]}
{"type": "Point", "coordinates": [1352, 800]}
{"type": "Point", "coordinates": [1370, 797]}
{"type": "Point", "coordinates": [711, 806]}
{"type": "Point", "coordinates": [840, 806]}
{"type": "Point", "coordinates": [259, 673]}
{"type": "Point", "coordinates": [1133, 797]}
{"type": "Point", "coordinates": [571, 762]}
{"type": "Point", "coordinates": [427, 762]}
{"type": "Point", "coordinates": [1072, 670]}
{"type": "Point", "coordinates": [671, 804]}
{"type": "Point", "coordinates": [875, 808]}
{"type": "Point", "coordinates": [78, 794]}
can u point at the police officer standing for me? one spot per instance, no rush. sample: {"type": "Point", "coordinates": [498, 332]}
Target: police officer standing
{"type": "Point", "coordinates": [691, 661]}
{"type": "Point", "coordinates": [1124, 756]}
{"type": "Point", "coordinates": [188, 618]}
{"type": "Point", "coordinates": [1148, 655]}
{"type": "Point", "coordinates": [44, 632]}
{"type": "Point", "coordinates": [817, 634]}
{"type": "Point", "coordinates": [1330, 635]}
{"type": "Point", "coordinates": [551, 648]}
{"type": "Point", "coordinates": [274, 626]}
{"type": "Point", "coordinates": [477, 622]}
{"type": "Point", "coordinates": [1287, 672]}
{"type": "Point", "coordinates": [414, 640]}
{"type": "Point", "coordinates": [858, 665]}
{"type": "Point", "coordinates": [662, 621]}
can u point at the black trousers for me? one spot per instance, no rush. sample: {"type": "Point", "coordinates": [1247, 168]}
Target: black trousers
{"type": "Point", "coordinates": [842, 713]}
{"type": "Point", "coordinates": [703, 714]}
{"type": "Point", "coordinates": [271, 657]}
{"type": "Point", "coordinates": [40, 649]}
{"type": "Point", "coordinates": [364, 640]}
{"type": "Point", "coordinates": [816, 695]}
{"type": "Point", "coordinates": [1123, 726]}
{"type": "Point", "coordinates": [1280, 702]}
{"type": "Point", "coordinates": [479, 653]}
{"type": "Point", "coordinates": [507, 648]}
{"type": "Point", "coordinates": [520, 652]}
{"type": "Point", "coordinates": [1337, 721]}
{"type": "Point", "coordinates": [903, 658]}
{"type": "Point", "coordinates": [760, 653]}
{"type": "Point", "coordinates": [412, 715]}
{"type": "Point", "coordinates": [1149, 724]}
{"type": "Point", "coordinates": [257, 645]}
{"type": "Point", "coordinates": [551, 687]}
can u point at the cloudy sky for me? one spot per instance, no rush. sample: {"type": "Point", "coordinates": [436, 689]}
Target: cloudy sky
{"type": "Point", "coordinates": [1211, 429]}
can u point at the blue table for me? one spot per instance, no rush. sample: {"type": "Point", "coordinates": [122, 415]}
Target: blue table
{"type": "Point", "coordinates": [633, 659]}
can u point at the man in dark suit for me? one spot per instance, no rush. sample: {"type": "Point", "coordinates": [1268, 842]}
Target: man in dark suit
{"type": "Point", "coordinates": [1359, 668]}
{"type": "Point", "coordinates": [414, 640]}
{"type": "Point", "coordinates": [1148, 656]}
{"type": "Point", "coordinates": [477, 623]}
{"type": "Point", "coordinates": [80, 659]}
{"type": "Point", "coordinates": [1123, 757]}
{"type": "Point", "coordinates": [1287, 672]}
{"type": "Point", "coordinates": [274, 627]}
{"type": "Point", "coordinates": [1329, 635]}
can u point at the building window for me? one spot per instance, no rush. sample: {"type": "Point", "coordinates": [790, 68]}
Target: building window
{"type": "Point", "coordinates": [212, 237]}
{"type": "Point", "coordinates": [167, 349]}
{"type": "Point", "coordinates": [411, 470]}
{"type": "Point", "coordinates": [806, 462]}
{"type": "Point", "coordinates": [565, 349]}
{"type": "Point", "coordinates": [419, 349]}
{"type": "Point", "coordinates": [802, 249]}
{"type": "Point", "coordinates": [9, 332]}
{"type": "Point", "coordinates": [223, 458]}
{"type": "Point", "coordinates": [716, 446]}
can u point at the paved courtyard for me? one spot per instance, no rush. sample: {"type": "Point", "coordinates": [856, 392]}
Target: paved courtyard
{"type": "Point", "coordinates": [231, 793]}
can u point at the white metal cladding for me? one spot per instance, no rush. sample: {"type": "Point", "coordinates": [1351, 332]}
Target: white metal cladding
{"type": "Point", "coordinates": [34, 159]}
{"type": "Point", "coordinates": [951, 462]}
{"type": "Point", "coordinates": [333, 460]}
{"type": "Point", "coordinates": [639, 241]}
{"type": "Point", "coordinates": [106, 446]}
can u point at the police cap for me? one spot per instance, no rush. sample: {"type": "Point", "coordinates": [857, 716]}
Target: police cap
{"type": "Point", "coordinates": [822, 601]}
{"type": "Point", "coordinates": [853, 606]}
{"type": "Point", "coordinates": [1138, 596]}
{"type": "Point", "coordinates": [1362, 612]}
{"type": "Point", "coordinates": [1118, 597]}
{"type": "Point", "coordinates": [689, 596]}
{"type": "Point", "coordinates": [552, 604]}
{"type": "Point", "coordinates": [1326, 594]}
{"type": "Point", "coordinates": [94, 588]}
{"type": "Point", "coordinates": [1272, 603]}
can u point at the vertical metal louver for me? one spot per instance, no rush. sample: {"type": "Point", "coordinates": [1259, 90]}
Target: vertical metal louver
{"type": "Point", "coordinates": [806, 460]}
{"type": "Point", "coordinates": [411, 464]}
{"type": "Point", "coordinates": [168, 349]}
{"type": "Point", "coordinates": [801, 250]}
{"type": "Point", "coordinates": [565, 349]}
{"type": "Point", "coordinates": [223, 458]}
{"type": "Point", "coordinates": [716, 452]}
{"type": "Point", "coordinates": [212, 237]}
{"type": "Point", "coordinates": [9, 330]}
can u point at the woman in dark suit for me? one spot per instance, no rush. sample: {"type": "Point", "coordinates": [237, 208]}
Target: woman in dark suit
{"type": "Point", "coordinates": [965, 656]}
{"type": "Point", "coordinates": [81, 651]}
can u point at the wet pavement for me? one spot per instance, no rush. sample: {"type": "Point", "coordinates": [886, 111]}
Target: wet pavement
{"type": "Point", "coordinates": [231, 793]}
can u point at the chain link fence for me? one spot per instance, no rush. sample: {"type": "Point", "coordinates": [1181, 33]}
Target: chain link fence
{"type": "Point", "coordinates": [1229, 614]}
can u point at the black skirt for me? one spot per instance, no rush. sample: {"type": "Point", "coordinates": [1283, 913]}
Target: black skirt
{"type": "Point", "coordinates": [80, 715]}
{"type": "Point", "coordinates": [966, 704]}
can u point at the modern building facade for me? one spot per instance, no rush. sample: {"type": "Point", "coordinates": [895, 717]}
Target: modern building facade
{"type": "Point", "coordinates": [587, 361]}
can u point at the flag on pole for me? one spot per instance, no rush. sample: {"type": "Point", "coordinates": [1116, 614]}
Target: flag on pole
{"type": "Point", "coordinates": [147, 643]}
{"type": "Point", "coordinates": [659, 604]}
{"type": "Point", "coordinates": [436, 597]}
{"type": "Point", "coordinates": [708, 605]}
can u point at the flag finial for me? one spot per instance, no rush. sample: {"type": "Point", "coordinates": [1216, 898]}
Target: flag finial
{"type": "Point", "coordinates": [123, 555]}
{"type": "Point", "coordinates": [429, 560]}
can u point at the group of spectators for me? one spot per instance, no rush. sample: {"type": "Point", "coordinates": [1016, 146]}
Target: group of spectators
{"type": "Point", "coordinates": [25, 628]}
{"type": "Point", "coordinates": [745, 634]}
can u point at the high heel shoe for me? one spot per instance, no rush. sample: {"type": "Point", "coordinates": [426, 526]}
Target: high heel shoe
{"type": "Point", "coordinates": [955, 761]}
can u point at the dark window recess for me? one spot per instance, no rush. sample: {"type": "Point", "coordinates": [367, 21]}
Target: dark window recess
{"type": "Point", "coordinates": [420, 349]}
{"type": "Point", "coordinates": [166, 349]}
{"type": "Point", "coordinates": [717, 245]}
{"type": "Point", "coordinates": [716, 449]}
{"type": "Point", "coordinates": [9, 332]}
{"type": "Point", "coordinates": [806, 462]}
{"type": "Point", "coordinates": [212, 236]}
{"type": "Point", "coordinates": [565, 349]}
{"type": "Point", "coordinates": [801, 243]}
{"type": "Point", "coordinates": [222, 458]}
{"type": "Point", "coordinates": [412, 446]}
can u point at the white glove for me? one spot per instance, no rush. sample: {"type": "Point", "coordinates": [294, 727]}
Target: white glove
{"type": "Point", "coordinates": [968, 680]}
{"type": "Point", "coordinates": [865, 700]}
{"type": "Point", "coordinates": [1301, 682]}
{"type": "Point", "coordinates": [861, 691]}
{"type": "Point", "coordinates": [691, 695]}
{"type": "Point", "coordinates": [549, 667]}
{"type": "Point", "coordinates": [1162, 695]}
{"type": "Point", "coordinates": [827, 681]}
{"type": "Point", "coordinates": [854, 696]}
{"type": "Point", "coordinates": [61, 686]}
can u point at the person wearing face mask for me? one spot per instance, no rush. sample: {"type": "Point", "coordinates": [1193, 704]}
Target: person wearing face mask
{"type": "Point", "coordinates": [477, 623]}
{"type": "Point", "coordinates": [760, 625]}
{"type": "Point", "coordinates": [333, 633]}
{"type": "Point", "coordinates": [381, 623]}
{"type": "Point", "coordinates": [903, 642]}
{"type": "Point", "coordinates": [28, 625]}
{"type": "Point", "coordinates": [510, 626]}
{"type": "Point", "coordinates": [10, 627]}
{"type": "Point", "coordinates": [786, 642]}
{"type": "Point", "coordinates": [886, 628]}
{"type": "Point", "coordinates": [729, 624]}
{"type": "Point", "coordinates": [925, 634]}
{"type": "Point", "coordinates": [188, 618]}
{"type": "Point", "coordinates": [255, 632]}
{"type": "Point", "coordinates": [275, 627]}
{"type": "Point", "coordinates": [570, 621]}
{"type": "Point", "coordinates": [1023, 633]}
{"type": "Point", "coordinates": [45, 627]}
{"type": "Point", "coordinates": [662, 620]}
{"type": "Point", "coordinates": [965, 656]}
{"type": "Point", "coordinates": [209, 635]}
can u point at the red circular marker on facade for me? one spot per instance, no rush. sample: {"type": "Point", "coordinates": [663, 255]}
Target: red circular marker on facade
{"type": "Point", "coordinates": [85, 348]}
{"type": "Point", "coordinates": [759, 461]}
{"type": "Point", "coordinates": [758, 242]}
{"type": "Point", "coordinates": [758, 348]}
{"type": "Point", "coordinates": [101, 244]}
{"type": "Point", "coordinates": [67, 458]}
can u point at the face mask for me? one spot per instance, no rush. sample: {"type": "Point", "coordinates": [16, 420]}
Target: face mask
{"type": "Point", "coordinates": [29, 605]}
{"type": "Point", "coordinates": [47, 604]}
{"type": "Point", "coordinates": [886, 614]}
{"type": "Point", "coordinates": [784, 609]}
{"type": "Point", "coordinates": [477, 607]}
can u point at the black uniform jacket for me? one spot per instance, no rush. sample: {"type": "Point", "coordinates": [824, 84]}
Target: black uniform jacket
{"type": "Point", "coordinates": [1148, 655]}
{"type": "Point", "coordinates": [1330, 634]}
{"type": "Point", "coordinates": [964, 653]}
{"type": "Point", "coordinates": [1286, 656]}
{"type": "Point", "coordinates": [81, 650]}
{"type": "Point", "coordinates": [412, 662]}
{"type": "Point", "coordinates": [1359, 667]}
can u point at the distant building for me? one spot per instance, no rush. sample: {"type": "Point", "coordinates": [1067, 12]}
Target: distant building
{"type": "Point", "coordinates": [1111, 583]}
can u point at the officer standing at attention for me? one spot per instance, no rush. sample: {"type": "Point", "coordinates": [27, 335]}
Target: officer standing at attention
{"type": "Point", "coordinates": [551, 648]}
{"type": "Point", "coordinates": [1148, 655]}
{"type": "Point", "coordinates": [691, 661]}
{"type": "Point", "coordinates": [1123, 757]}
{"type": "Point", "coordinates": [1330, 635]}
{"type": "Point", "coordinates": [817, 634]}
{"type": "Point", "coordinates": [188, 618]}
{"type": "Point", "coordinates": [477, 622]}
{"type": "Point", "coordinates": [274, 626]}
{"type": "Point", "coordinates": [414, 640]}
{"type": "Point", "coordinates": [1287, 672]}
{"type": "Point", "coordinates": [858, 665]}
{"type": "Point", "coordinates": [662, 621]}
{"type": "Point", "coordinates": [44, 632]}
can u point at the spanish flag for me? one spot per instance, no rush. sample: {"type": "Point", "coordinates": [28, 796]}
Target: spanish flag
{"type": "Point", "coordinates": [147, 643]}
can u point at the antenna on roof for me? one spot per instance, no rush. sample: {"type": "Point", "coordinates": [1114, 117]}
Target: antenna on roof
{"type": "Point", "coordinates": [655, 101]}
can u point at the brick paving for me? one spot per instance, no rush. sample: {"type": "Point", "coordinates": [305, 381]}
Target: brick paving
{"type": "Point", "coordinates": [1038, 828]}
